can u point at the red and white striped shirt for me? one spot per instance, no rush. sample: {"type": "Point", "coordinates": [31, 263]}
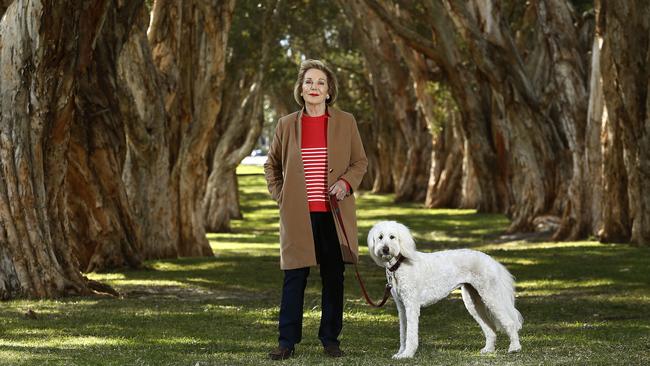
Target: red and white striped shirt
{"type": "Point", "coordinates": [314, 159]}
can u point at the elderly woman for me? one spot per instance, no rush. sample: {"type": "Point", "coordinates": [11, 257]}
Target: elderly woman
{"type": "Point", "coordinates": [316, 152]}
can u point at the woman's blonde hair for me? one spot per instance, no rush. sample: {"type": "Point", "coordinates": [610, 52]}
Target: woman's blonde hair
{"type": "Point", "coordinates": [332, 84]}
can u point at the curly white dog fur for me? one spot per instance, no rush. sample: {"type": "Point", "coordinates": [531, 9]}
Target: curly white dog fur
{"type": "Point", "coordinates": [423, 279]}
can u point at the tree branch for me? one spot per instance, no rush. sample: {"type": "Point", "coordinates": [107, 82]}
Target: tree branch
{"type": "Point", "coordinates": [499, 44]}
{"type": "Point", "coordinates": [410, 37]}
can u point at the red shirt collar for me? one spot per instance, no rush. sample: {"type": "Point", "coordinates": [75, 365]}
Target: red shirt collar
{"type": "Point", "coordinates": [304, 113]}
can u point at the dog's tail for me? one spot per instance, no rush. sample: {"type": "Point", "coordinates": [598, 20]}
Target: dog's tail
{"type": "Point", "coordinates": [506, 289]}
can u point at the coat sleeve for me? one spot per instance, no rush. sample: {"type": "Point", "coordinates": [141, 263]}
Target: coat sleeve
{"type": "Point", "coordinates": [273, 165]}
{"type": "Point", "coordinates": [358, 160]}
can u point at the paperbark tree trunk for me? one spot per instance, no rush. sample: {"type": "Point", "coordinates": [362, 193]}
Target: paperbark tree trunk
{"type": "Point", "coordinates": [239, 125]}
{"type": "Point", "coordinates": [281, 106]}
{"type": "Point", "coordinates": [625, 29]}
{"type": "Point", "coordinates": [470, 95]}
{"type": "Point", "coordinates": [407, 152]}
{"type": "Point", "coordinates": [188, 40]}
{"type": "Point", "coordinates": [367, 126]}
{"type": "Point", "coordinates": [101, 221]}
{"type": "Point", "coordinates": [146, 172]}
{"type": "Point", "coordinates": [383, 148]}
{"type": "Point", "coordinates": [533, 140]}
{"type": "Point", "coordinates": [448, 169]}
{"type": "Point", "coordinates": [587, 217]}
{"type": "Point", "coordinates": [560, 78]}
{"type": "Point", "coordinates": [484, 168]}
{"type": "Point", "coordinates": [37, 112]}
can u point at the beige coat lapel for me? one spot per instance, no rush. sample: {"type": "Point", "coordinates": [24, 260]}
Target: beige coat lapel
{"type": "Point", "coordinates": [331, 138]}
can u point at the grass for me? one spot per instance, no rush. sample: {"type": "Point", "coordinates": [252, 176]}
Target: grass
{"type": "Point", "coordinates": [584, 302]}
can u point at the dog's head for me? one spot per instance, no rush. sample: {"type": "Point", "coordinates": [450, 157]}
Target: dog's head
{"type": "Point", "coordinates": [388, 239]}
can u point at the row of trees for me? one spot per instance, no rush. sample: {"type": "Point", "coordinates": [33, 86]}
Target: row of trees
{"type": "Point", "coordinates": [552, 117]}
{"type": "Point", "coordinates": [108, 112]}
{"type": "Point", "coordinates": [123, 122]}
{"type": "Point", "coordinates": [536, 109]}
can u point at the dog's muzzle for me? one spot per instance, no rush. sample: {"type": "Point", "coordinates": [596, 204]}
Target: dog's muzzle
{"type": "Point", "coordinates": [385, 250]}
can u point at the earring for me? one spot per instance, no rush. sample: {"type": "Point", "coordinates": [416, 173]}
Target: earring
{"type": "Point", "coordinates": [328, 96]}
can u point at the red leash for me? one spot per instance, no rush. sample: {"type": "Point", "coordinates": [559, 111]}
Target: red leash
{"type": "Point", "coordinates": [334, 205]}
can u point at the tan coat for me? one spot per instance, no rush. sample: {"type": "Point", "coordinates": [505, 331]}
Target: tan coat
{"type": "Point", "coordinates": [285, 177]}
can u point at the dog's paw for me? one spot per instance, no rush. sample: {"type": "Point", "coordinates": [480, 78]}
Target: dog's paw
{"type": "Point", "coordinates": [487, 349]}
{"type": "Point", "coordinates": [399, 356]}
{"type": "Point", "coordinates": [514, 348]}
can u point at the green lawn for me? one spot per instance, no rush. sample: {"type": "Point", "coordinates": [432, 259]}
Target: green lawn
{"type": "Point", "coordinates": [583, 302]}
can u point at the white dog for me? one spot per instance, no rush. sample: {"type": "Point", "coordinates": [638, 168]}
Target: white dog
{"type": "Point", "coordinates": [421, 279]}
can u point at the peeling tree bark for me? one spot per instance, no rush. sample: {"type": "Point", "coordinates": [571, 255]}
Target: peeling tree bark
{"type": "Point", "coordinates": [483, 184]}
{"type": "Point", "coordinates": [188, 40]}
{"type": "Point", "coordinates": [37, 111]}
{"type": "Point", "coordinates": [560, 77]}
{"type": "Point", "coordinates": [449, 171]}
{"type": "Point", "coordinates": [101, 221]}
{"type": "Point", "coordinates": [239, 125]}
{"type": "Point", "coordinates": [384, 147]}
{"type": "Point", "coordinates": [533, 143]}
{"type": "Point", "coordinates": [468, 92]}
{"type": "Point", "coordinates": [408, 152]}
{"type": "Point", "coordinates": [240, 122]}
{"type": "Point", "coordinates": [625, 29]}
{"type": "Point", "coordinates": [146, 172]}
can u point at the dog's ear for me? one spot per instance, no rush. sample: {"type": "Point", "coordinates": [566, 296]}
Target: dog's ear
{"type": "Point", "coordinates": [406, 242]}
{"type": "Point", "coordinates": [372, 234]}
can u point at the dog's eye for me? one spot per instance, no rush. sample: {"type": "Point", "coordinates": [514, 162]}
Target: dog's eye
{"type": "Point", "coordinates": [381, 237]}
{"type": "Point", "coordinates": [392, 236]}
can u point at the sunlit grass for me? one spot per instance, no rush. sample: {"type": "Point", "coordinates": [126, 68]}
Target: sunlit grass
{"type": "Point", "coordinates": [249, 169]}
{"type": "Point", "coordinates": [583, 302]}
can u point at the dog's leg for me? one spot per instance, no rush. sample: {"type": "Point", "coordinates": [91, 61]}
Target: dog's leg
{"type": "Point", "coordinates": [478, 310]}
{"type": "Point", "coordinates": [412, 311]}
{"type": "Point", "coordinates": [402, 323]}
{"type": "Point", "coordinates": [512, 329]}
{"type": "Point", "coordinates": [504, 312]}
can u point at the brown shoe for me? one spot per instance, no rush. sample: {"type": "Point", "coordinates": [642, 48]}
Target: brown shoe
{"type": "Point", "coordinates": [333, 350]}
{"type": "Point", "coordinates": [281, 353]}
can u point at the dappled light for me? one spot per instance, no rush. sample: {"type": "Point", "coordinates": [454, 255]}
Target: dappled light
{"type": "Point", "coordinates": [579, 299]}
{"type": "Point", "coordinates": [162, 163]}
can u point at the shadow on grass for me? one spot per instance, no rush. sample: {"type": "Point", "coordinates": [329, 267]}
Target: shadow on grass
{"type": "Point", "coordinates": [582, 302]}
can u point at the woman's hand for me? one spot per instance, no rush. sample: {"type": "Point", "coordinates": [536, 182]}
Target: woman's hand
{"type": "Point", "coordinates": [339, 189]}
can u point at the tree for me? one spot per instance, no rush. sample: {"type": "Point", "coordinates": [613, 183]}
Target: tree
{"type": "Point", "coordinates": [471, 96]}
{"type": "Point", "coordinates": [188, 40]}
{"type": "Point", "coordinates": [147, 171]}
{"type": "Point", "coordinates": [101, 221]}
{"type": "Point", "coordinates": [37, 113]}
{"type": "Point", "coordinates": [240, 121]}
{"type": "Point", "coordinates": [109, 114]}
{"type": "Point", "coordinates": [515, 126]}
{"type": "Point", "coordinates": [395, 108]}
{"type": "Point", "coordinates": [623, 30]}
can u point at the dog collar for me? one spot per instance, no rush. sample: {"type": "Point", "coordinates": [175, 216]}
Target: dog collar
{"type": "Point", "coordinates": [394, 267]}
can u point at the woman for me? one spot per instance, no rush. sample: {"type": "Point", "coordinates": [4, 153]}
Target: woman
{"type": "Point", "coordinates": [315, 152]}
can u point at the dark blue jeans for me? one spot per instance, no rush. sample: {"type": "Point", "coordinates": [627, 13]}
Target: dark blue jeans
{"type": "Point", "coordinates": [328, 255]}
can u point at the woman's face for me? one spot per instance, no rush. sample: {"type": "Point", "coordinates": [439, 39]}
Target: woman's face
{"type": "Point", "coordinates": [314, 87]}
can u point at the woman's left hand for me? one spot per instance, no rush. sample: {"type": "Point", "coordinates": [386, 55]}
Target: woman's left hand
{"type": "Point", "coordinates": [339, 189]}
